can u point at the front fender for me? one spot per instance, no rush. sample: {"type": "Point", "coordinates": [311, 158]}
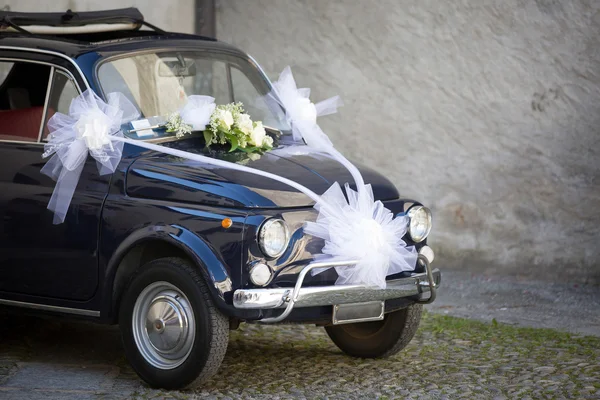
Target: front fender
{"type": "Point", "coordinates": [195, 232]}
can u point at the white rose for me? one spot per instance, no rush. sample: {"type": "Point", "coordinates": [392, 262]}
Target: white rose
{"type": "Point", "coordinates": [245, 123]}
{"type": "Point", "coordinates": [225, 119]}
{"type": "Point", "coordinates": [305, 110]}
{"type": "Point", "coordinates": [94, 128]}
{"type": "Point", "coordinates": [268, 141]}
{"type": "Point", "coordinates": [258, 134]}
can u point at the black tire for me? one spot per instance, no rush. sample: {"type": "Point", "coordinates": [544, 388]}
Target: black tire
{"type": "Point", "coordinates": [205, 348]}
{"type": "Point", "coordinates": [378, 339]}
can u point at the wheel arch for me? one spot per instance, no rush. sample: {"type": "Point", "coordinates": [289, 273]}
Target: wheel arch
{"type": "Point", "coordinates": [155, 242]}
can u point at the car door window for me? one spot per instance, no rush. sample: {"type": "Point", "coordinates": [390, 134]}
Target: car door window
{"type": "Point", "coordinates": [22, 97]}
{"type": "Point", "coordinates": [62, 92]}
{"type": "Point", "coordinates": [5, 68]}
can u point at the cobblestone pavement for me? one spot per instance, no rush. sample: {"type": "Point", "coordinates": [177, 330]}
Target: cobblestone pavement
{"type": "Point", "coordinates": [47, 358]}
{"type": "Point", "coordinates": [565, 306]}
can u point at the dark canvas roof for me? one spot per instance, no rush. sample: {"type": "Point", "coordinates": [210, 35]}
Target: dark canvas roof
{"type": "Point", "coordinates": [70, 18]}
{"type": "Point", "coordinates": [103, 43]}
{"type": "Point", "coordinates": [130, 41]}
{"type": "Point", "coordinates": [74, 45]}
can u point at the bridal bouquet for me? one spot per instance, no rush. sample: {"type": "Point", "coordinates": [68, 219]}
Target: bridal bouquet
{"type": "Point", "coordinates": [229, 124]}
{"type": "Point", "coordinates": [223, 124]}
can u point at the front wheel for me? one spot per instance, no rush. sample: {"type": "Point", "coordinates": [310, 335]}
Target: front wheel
{"type": "Point", "coordinates": [173, 335]}
{"type": "Point", "coordinates": [378, 339]}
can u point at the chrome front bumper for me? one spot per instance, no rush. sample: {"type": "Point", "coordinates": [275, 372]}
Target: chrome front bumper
{"type": "Point", "coordinates": [289, 298]}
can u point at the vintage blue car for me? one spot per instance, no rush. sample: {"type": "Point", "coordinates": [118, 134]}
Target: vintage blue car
{"type": "Point", "coordinates": [176, 252]}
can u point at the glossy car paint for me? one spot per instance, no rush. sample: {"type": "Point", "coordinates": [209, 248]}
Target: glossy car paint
{"type": "Point", "coordinates": [39, 258]}
{"type": "Point", "coordinates": [164, 177]}
{"type": "Point", "coordinates": [153, 204]}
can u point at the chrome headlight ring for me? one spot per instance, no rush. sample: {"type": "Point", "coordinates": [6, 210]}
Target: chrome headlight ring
{"type": "Point", "coordinates": [273, 237]}
{"type": "Point", "coordinates": [420, 223]}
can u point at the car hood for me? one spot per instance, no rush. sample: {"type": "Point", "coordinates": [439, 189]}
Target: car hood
{"type": "Point", "coordinates": [161, 176]}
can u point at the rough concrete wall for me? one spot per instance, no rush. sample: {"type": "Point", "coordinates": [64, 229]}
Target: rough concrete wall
{"type": "Point", "coordinates": [175, 15]}
{"type": "Point", "coordinates": [488, 111]}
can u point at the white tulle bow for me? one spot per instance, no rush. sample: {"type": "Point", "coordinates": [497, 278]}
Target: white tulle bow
{"type": "Point", "coordinates": [361, 229]}
{"type": "Point", "coordinates": [354, 228]}
{"type": "Point", "coordinates": [88, 129]}
{"type": "Point", "coordinates": [300, 112]}
{"type": "Point", "coordinates": [197, 111]}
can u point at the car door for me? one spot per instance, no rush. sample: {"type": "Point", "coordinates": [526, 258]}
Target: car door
{"type": "Point", "coordinates": [37, 257]}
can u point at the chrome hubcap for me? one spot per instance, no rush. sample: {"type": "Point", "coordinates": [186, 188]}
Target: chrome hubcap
{"type": "Point", "coordinates": [163, 325]}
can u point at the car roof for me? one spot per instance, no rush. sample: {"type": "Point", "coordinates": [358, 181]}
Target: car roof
{"type": "Point", "coordinates": [109, 31]}
{"type": "Point", "coordinates": [104, 43]}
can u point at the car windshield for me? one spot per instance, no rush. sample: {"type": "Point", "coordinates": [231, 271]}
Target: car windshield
{"type": "Point", "coordinates": [159, 84]}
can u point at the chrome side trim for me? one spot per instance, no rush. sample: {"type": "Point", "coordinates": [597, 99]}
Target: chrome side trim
{"type": "Point", "coordinates": [21, 142]}
{"type": "Point", "coordinates": [48, 91]}
{"type": "Point", "coordinates": [46, 307]}
{"type": "Point", "coordinates": [54, 53]}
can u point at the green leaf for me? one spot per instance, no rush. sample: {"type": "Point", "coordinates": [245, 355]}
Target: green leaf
{"type": "Point", "coordinates": [234, 144]}
{"type": "Point", "coordinates": [207, 137]}
{"type": "Point", "coordinates": [250, 149]}
{"type": "Point", "coordinates": [233, 140]}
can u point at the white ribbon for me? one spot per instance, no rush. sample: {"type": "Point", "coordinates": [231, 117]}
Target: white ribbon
{"type": "Point", "coordinates": [358, 228]}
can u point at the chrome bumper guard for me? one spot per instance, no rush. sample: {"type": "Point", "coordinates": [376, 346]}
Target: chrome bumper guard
{"type": "Point", "coordinates": [288, 298]}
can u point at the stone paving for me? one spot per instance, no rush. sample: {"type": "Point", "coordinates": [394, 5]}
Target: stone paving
{"type": "Point", "coordinates": [565, 306]}
{"type": "Point", "coordinates": [48, 358]}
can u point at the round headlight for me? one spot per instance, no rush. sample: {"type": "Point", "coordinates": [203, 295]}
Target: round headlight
{"type": "Point", "coordinates": [273, 237]}
{"type": "Point", "coordinates": [420, 223]}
